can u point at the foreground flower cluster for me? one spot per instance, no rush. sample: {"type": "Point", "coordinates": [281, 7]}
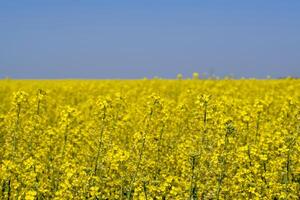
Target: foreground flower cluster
{"type": "Point", "coordinates": [150, 139]}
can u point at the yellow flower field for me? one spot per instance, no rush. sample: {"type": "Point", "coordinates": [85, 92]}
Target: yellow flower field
{"type": "Point", "coordinates": [150, 139]}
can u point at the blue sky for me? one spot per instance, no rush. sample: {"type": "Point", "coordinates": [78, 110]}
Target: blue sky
{"type": "Point", "coordinates": [136, 39]}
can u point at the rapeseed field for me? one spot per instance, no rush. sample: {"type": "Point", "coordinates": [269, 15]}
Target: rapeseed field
{"type": "Point", "coordinates": [150, 139]}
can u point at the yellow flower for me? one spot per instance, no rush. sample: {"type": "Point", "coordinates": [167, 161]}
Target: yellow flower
{"type": "Point", "coordinates": [30, 195]}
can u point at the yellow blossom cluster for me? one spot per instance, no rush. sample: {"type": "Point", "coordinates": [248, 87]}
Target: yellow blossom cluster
{"type": "Point", "coordinates": [150, 139]}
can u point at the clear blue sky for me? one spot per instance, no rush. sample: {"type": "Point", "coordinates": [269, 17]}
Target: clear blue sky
{"type": "Point", "coordinates": [133, 39]}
